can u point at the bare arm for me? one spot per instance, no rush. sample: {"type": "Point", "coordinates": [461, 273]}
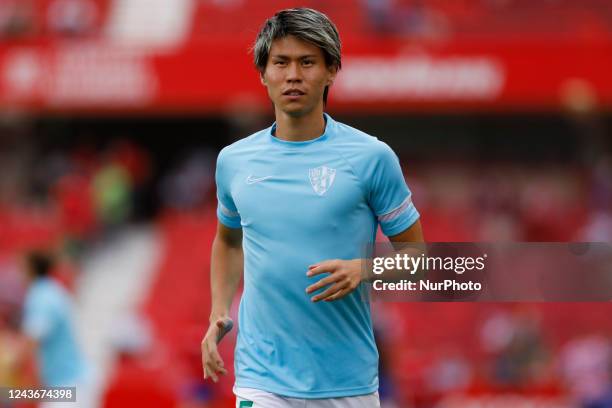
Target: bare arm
{"type": "Point", "coordinates": [412, 234]}
{"type": "Point", "coordinates": [226, 267]}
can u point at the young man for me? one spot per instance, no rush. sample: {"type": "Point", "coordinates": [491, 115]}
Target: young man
{"type": "Point", "coordinates": [297, 203]}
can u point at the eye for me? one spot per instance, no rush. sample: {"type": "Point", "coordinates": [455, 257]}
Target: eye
{"type": "Point", "coordinates": [281, 63]}
{"type": "Point", "coordinates": [307, 62]}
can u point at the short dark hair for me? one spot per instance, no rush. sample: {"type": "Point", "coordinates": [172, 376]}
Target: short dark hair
{"type": "Point", "coordinates": [39, 263]}
{"type": "Point", "coordinates": [306, 24]}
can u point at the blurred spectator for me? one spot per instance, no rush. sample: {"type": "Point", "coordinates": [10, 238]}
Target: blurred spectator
{"type": "Point", "coordinates": [520, 354]}
{"type": "Point", "coordinates": [586, 365]}
{"type": "Point", "coordinates": [189, 185]}
{"type": "Point", "coordinates": [598, 228]}
{"type": "Point", "coordinates": [17, 18]}
{"type": "Point", "coordinates": [72, 17]}
{"type": "Point", "coordinates": [552, 206]}
{"type": "Point", "coordinates": [137, 163]}
{"type": "Point", "coordinates": [16, 164]}
{"type": "Point", "coordinates": [413, 18]}
{"type": "Point", "coordinates": [112, 194]}
{"type": "Point", "coordinates": [417, 18]}
{"type": "Point", "coordinates": [380, 13]}
{"type": "Point", "coordinates": [496, 332]}
{"type": "Point", "coordinates": [450, 372]}
{"type": "Point", "coordinates": [11, 284]}
{"type": "Point", "coordinates": [72, 193]}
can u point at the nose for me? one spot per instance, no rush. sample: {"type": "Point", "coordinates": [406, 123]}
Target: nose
{"type": "Point", "coordinates": [294, 72]}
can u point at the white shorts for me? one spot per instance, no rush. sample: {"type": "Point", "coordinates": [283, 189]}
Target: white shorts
{"type": "Point", "coordinates": [250, 397]}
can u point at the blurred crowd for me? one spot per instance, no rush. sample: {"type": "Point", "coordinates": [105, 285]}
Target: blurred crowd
{"type": "Point", "coordinates": [439, 19]}
{"type": "Point", "coordinates": [510, 202]}
{"type": "Point", "coordinates": [27, 19]}
{"type": "Point", "coordinates": [488, 349]}
{"type": "Point", "coordinates": [423, 19]}
{"type": "Point", "coordinates": [80, 190]}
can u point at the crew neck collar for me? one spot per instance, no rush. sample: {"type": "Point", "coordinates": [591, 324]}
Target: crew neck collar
{"type": "Point", "coordinates": [328, 125]}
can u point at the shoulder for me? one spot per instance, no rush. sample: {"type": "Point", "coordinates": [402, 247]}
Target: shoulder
{"type": "Point", "coordinates": [245, 145]}
{"type": "Point", "coordinates": [359, 145]}
{"type": "Point", "coordinates": [42, 294]}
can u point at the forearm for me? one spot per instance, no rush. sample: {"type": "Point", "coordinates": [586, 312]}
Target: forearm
{"type": "Point", "coordinates": [410, 243]}
{"type": "Point", "coordinates": [225, 273]}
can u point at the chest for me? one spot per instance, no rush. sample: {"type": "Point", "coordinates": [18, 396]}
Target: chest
{"type": "Point", "coordinates": [296, 188]}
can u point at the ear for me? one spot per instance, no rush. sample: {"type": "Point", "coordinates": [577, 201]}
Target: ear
{"type": "Point", "coordinates": [333, 71]}
{"type": "Point", "coordinates": [262, 79]}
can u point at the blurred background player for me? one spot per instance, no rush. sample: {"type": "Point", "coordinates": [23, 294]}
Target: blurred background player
{"type": "Point", "coordinates": [48, 321]}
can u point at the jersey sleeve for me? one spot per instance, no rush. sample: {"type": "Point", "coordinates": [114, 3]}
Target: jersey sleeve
{"type": "Point", "coordinates": [389, 195]}
{"type": "Point", "coordinates": [227, 213]}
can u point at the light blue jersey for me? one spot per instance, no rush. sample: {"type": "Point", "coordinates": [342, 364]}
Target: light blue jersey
{"type": "Point", "coordinates": [300, 203]}
{"type": "Point", "coordinates": [48, 320]}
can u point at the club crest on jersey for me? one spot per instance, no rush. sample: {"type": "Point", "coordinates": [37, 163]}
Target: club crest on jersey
{"type": "Point", "coordinates": [321, 179]}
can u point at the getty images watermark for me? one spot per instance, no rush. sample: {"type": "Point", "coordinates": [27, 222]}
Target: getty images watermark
{"type": "Point", "coordinates": [411, 264]}
{"type": "Point", "coordinates": [500, 272]}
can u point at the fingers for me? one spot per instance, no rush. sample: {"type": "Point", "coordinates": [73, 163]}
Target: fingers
{"type": "Point", "coordinates": [322, 267]}
{"type": "Point", "coordinates": [332, 290]}
{"type": "Point", "coordinates": [339, 295]}
{"type": "Point", "coordinates": [324, 282]}
{"type": "Point", "coordinates": [212, 370]}
{"type": "Point", "coordinates": [212, 362]}
{"type": "Point", "coordinates": [212, 374]}
{"type": "Point", "coordinates": [343, 279]}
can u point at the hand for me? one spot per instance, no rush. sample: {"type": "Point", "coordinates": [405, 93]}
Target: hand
{"type": "Point", "coordinates": [344, 277]}
{"type": "Point", "coordinates": [211, 359]}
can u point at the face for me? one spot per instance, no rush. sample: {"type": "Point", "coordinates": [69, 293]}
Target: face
{"type": "Point", "coordinates": [296, 76]}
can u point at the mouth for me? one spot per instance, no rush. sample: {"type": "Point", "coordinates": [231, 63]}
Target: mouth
{"type": "Point", "coordinates": [293, 93]}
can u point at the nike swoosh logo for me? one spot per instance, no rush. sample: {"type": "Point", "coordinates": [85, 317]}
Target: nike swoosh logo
{"type": "Point", "coordinates": [253, 180]}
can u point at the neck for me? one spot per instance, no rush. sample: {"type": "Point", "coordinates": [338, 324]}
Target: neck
{"type": "Point", "coordinates": [300, 128]}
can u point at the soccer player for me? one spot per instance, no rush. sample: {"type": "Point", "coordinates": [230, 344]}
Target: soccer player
{"type": "Point", "coordinates": [297, 202]}
{"type": "Point", "coordinates": [48, 323]}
